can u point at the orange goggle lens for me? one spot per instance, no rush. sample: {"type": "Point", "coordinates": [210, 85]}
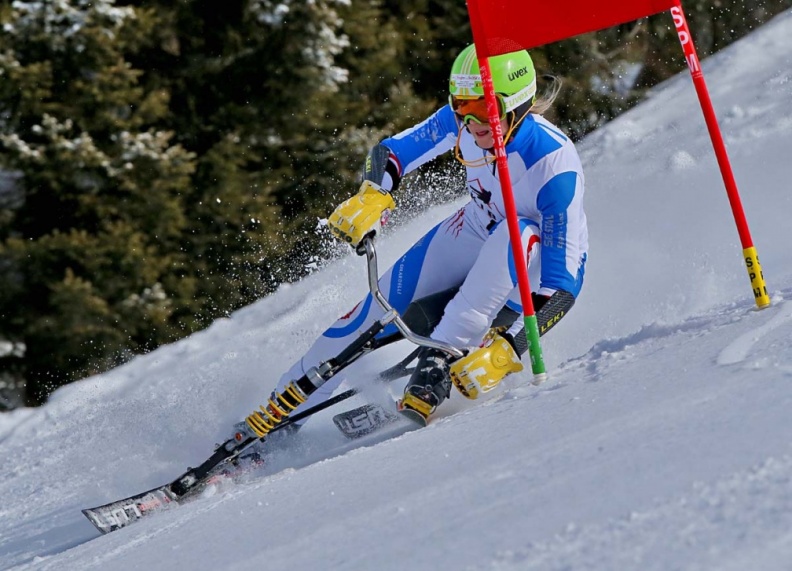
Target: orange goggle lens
{"type": "Point", "coordinates": [474, 109]}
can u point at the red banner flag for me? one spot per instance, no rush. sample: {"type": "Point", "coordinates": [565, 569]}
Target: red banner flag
{"type": "Point", "coordinates": [502, 26]}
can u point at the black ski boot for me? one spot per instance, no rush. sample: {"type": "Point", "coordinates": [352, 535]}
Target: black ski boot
{"type": "Point", "coordinates": [429, 385]}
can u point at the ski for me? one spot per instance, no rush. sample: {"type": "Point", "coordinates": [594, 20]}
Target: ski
{"type": "Point", "coordinates": [368, 418]}
{"type": "Point", "coordinates": [122, 513]}
{"type": "Point", "coordinates": [363, 420]}
{"type": "Point", "coordinates": [224, 461]}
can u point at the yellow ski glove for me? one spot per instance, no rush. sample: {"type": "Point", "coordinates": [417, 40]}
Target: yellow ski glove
{"type": "Point", "coordinates": [364, 213]}
{"type": "Point", "coordinates": [482, 369]}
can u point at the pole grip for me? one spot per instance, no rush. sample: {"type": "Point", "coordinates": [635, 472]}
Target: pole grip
{"type": "Point", "coordinates": [537, 362]}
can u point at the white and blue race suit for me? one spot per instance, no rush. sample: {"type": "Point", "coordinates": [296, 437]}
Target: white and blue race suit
{"type": "Point", "coordinates": [470, 249]}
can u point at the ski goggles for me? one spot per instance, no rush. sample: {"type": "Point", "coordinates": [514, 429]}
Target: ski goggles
{"type": "Point", "coordinates": [475, 108]}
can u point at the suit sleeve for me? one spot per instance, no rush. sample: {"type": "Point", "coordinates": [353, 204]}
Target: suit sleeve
{"type": "Point", "coordinates": [420, 144]}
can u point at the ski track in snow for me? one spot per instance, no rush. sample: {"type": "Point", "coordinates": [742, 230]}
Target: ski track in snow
{"type": "Point", "coordinates": [739, 350]}
{"type": "Point", "coordinates": [742, 517]}
{"type": "Point", "coordinates": [741, 347]}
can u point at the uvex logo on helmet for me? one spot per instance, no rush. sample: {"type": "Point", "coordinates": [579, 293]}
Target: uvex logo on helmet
{"type": "Point", "coordinates": [513, 76]}
{"type": "Point", "coordinates": [519, 73]}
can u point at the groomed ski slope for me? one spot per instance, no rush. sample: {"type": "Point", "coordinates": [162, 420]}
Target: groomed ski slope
{"type": "Point", "coordinates": [663, 439]}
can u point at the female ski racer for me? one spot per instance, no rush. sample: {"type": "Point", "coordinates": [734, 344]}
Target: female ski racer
{"type": "Point", "coordinates": [470, 249]}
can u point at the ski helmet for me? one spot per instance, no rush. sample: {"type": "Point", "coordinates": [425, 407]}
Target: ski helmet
{"type": "Point", "coordinates": [513, 76]}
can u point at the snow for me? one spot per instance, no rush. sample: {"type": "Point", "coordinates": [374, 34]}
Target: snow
{"type": "Point", "coordinates": [663, 439]}
{"type": "Point", "coordinates": [64, 21]}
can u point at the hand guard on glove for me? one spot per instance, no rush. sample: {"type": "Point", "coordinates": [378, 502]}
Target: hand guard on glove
{"type": "Point", "coordinates": [483, 369]}
{"type": "Point", "coordinates": [361, 215]}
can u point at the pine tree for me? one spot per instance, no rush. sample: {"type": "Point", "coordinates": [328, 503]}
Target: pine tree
{"type": "Point", "coordinates": [243, 105]}
{"type": "Point", "coordinates": [96, 211]}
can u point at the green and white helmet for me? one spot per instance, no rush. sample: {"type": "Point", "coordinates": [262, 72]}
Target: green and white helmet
{"type": "Point", "coordinates": [513, 76]}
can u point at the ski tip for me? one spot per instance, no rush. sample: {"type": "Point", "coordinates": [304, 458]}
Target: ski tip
{"type": "Point", "coordinates": [122, 513]}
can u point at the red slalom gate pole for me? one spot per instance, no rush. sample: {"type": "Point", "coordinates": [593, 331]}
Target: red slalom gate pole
{"type": "Point", "coordinates": [529, 316]}
{"type": "Point", "coordinates": [749, 251]}
{"type": "Point", "coordinates": [515, 236]}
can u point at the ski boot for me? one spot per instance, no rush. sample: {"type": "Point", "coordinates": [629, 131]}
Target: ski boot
{"type": "Point", "coordinates": [429, 385]}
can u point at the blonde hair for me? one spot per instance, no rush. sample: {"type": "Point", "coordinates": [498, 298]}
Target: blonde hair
{"type": "Point", "coordinates": [543, 102]}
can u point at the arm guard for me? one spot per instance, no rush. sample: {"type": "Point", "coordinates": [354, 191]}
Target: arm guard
{"type": "Point", "coordinates": [547, 315]}
{"type": "Point", "coordinates": [382, 168]}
